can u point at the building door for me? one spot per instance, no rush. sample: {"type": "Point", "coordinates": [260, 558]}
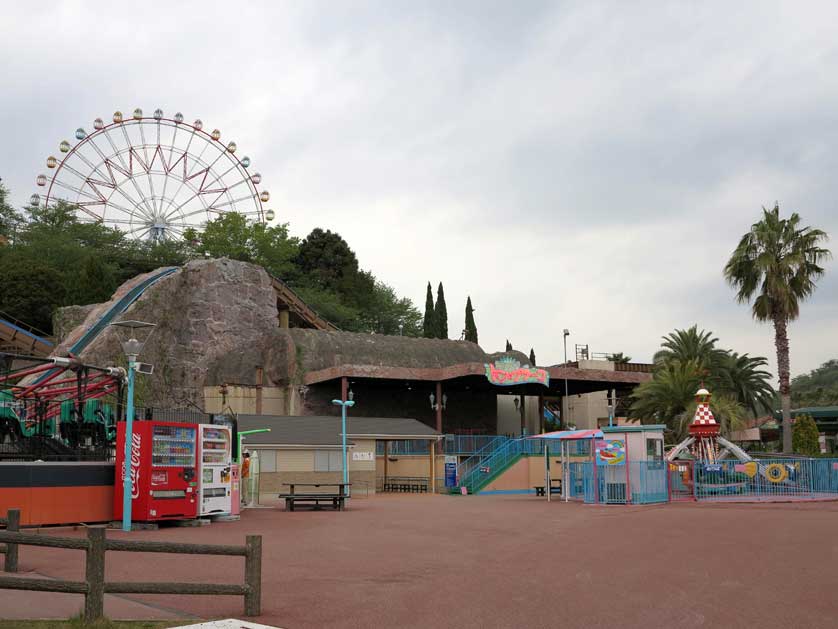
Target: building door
{"type": "Point", "coordinates": [681, 481]}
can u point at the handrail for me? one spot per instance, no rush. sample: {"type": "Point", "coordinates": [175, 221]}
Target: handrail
{"type": "Point", "coordinates": [465, 467]}
{"type": "Point", "coordinates": [499, 459]}
{"type": "Point", "coordinates": [94, 587]}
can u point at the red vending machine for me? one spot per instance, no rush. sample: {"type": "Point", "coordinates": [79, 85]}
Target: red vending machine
{"type": "Point", "coordinates": [164, 464]}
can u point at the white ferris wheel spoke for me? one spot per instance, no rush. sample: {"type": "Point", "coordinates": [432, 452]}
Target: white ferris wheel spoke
{"type": "Point", "coordinates": [107, 186]}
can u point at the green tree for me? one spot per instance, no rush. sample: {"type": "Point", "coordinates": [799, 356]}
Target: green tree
{"type": "Point", "coordinates": [689, 358]}
{"type": "Point", "coordinates": [326, 260]}
{"type": "Point", "coordinates": [745, 378]}
{"type": "Point", "coordinates": [391, 314]}
{"type": "Point", "coordinates": [777, 264]}
{"type": "Point", "coordinates": [819, 387]}
{"type": "Point", "coordinates": [805, 436]}
{"type": "Point", "coordinates": [429, 322]}
{"type": "Point", "coordinates": [690, 344]}
{"type": "Point", "coordinates": [471, 327]}
{"type": "Point", "coordinates": [232, 236]}
{"type": "Point", "coordinates": [619, 357]}
{"type": "Point", "coordinates": [508, 346]}
{"type": "Point", "coordinates": [441, 314]}
{"type": "Point", "coordinates": [30, 291]}
{"type": "Point", "coordinates": [9, 217]}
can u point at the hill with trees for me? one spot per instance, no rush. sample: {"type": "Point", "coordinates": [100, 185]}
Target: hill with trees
{"type": "Point", "coordinates": [52, 259]}
{"type": "Point", "coordinates": [819, 387]}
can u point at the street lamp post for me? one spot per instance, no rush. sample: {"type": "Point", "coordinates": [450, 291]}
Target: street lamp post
{"type": "Point", "coordinates": [565, 334]}
{"type": "Point", "coordinates": [343, 404]}
{"type": "Point", "coordinates": [132, 348]}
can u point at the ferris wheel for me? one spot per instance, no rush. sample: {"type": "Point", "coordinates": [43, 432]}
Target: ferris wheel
{"type": "Point", "coordinates": [152, 177]}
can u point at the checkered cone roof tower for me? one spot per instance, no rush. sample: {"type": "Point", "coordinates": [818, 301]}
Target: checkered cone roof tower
{"type": "Point", "coordinates": [704, 423]}
{"type": "Point", "coordinates": [704, 428]}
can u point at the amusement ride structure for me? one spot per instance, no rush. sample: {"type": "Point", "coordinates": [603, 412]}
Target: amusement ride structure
{"type": "Point", "coordinates": [713, 455]}
{"type": "Point", "coordinates": [51, 408]}
{"type": "Point", "coordinates": [704, 442]}
{"type": "Point", "coordinates": [152, 177]}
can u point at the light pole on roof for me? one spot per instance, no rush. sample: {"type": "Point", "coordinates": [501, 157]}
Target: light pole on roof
{"type": "Point", "coordinates": [565, 334]}
{"type": "Point", "coordinates": [343, 404]}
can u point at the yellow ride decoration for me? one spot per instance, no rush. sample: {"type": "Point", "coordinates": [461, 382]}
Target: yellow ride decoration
{"type": "Point", "coordinates": [776, 472]}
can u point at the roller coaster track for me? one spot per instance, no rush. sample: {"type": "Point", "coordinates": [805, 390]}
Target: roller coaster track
{"type": "Point", "coordinates": [296, 305]}
{"type": "Point", "coordinates": [111, 313]}
{"type": "Point", "coordinates": [20, 337]}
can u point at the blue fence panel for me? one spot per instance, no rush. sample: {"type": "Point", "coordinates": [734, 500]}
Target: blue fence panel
{"type": "Point", "coordinates": [640, 482]}
{"type": "Point", "coordinates": [766, 479]}
{"type": "Point", "coordinates": [649, 482]}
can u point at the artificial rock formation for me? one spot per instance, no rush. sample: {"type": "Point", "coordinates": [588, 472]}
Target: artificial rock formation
{"type": "Point", "coordinates": [213, 318]}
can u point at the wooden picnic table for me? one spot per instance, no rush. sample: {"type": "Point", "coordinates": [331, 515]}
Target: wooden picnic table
{"type": "Point", "coordinates": [337, 499]}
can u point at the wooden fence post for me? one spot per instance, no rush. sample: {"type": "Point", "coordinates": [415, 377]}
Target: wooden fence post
{"type": "Point", "coordinates": [12, 525]}
{"type": "Point", "coordinates": [253, 575]}
{"type": "Point", "coordinates": [94, 574]}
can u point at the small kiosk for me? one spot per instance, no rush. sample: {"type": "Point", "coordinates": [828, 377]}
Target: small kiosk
{"type": "Point", "coordinates": [613, 465]}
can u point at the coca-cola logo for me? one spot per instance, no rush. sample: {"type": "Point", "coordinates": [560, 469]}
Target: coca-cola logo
{"type": "Point", "coordinates": [136, 443]}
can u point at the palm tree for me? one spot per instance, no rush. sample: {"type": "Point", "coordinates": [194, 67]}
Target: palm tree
{"type": "Point", "coordinates": [668, 395]}
{"type": "Point", "coordinates": [777, 263]}
{"type": "Point", "coordinates": [619, 357]}
{"type": "Point", "coordinates": [690, 344]}
{"type": "Point", "coordinates": [744, 378]}
{"type": "Point", "coordinates": [689, 359]}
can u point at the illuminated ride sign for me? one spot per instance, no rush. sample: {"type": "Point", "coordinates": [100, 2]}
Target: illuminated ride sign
{"type": "Point", "coordinates": [508, 372]}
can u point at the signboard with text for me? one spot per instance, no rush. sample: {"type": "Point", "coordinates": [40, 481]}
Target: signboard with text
{"type": "Point", "coordinates": [508, 372]}
{"type": "Point", "coordinates": [450, 471]}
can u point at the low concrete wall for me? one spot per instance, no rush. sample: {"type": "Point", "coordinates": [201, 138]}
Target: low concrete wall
{"type": "Point", "coordinates": [57, 493]}
{"type": "Point", "coordinates": [273, 483]}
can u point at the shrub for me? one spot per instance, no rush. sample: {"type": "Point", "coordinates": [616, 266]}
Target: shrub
{"type": "Point", "coordinates": [805, 436]}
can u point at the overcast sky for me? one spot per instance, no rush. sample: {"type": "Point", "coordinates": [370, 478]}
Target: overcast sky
{"type": "Point", "coordinates": [574, 165]}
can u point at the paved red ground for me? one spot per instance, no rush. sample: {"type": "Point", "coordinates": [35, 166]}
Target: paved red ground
{"type": "Point", "coordinates": [507, 561]}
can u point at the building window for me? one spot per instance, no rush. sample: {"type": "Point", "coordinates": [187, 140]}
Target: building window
{"type": "Point", "coordinates": [328, 461]}
{"type": "Point", "coordinates": [654, 449]}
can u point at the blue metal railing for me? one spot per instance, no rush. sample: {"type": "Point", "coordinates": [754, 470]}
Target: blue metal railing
{"type": "Point", "coordinates": [637, 482]}
{"type": "Point", "coordinates": [489, 464]}
{"type": "Point", "coordinates": [461, 445]}
{"type": "Point", "coordinates": [765, 479]}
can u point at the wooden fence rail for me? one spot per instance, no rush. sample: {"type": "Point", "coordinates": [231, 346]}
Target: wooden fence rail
{"type": "Point", "coordinates": [94, 587]}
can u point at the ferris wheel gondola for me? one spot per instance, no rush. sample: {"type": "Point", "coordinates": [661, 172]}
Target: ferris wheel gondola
{"type": "Point", "coordinates": [152, 177]}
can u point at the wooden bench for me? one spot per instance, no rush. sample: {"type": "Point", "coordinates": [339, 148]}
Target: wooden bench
{"type": "Point", "coordinates": [554, 489]}
{"type": "Point", "coordinates": [407, 484]}
{"type": "Point", "coordinates": [334, 501]}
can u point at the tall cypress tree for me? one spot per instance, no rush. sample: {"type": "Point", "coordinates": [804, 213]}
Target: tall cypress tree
{"type": "Point", "coordinates": [508, 346]}
{"type": "Point", "coordinates": [532, 357]}
{"type": "Point", "coordinates": [429, 324]}
{"type": "Point", "coordinates": [471, 328]}
{"type": "Point", "coordinates": [441, 314]}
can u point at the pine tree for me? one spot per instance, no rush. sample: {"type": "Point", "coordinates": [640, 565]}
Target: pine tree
{"type": "Point", "coordinates": [429, 324]}
{"type": "Point", "coordinates": [471, 328]}
{"type": "Point", "coordinates": [532, 357]}
{"type": "Point", "coordinates": [508, 346]}
{"type": "Point", "coordinates": [441, 314]}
